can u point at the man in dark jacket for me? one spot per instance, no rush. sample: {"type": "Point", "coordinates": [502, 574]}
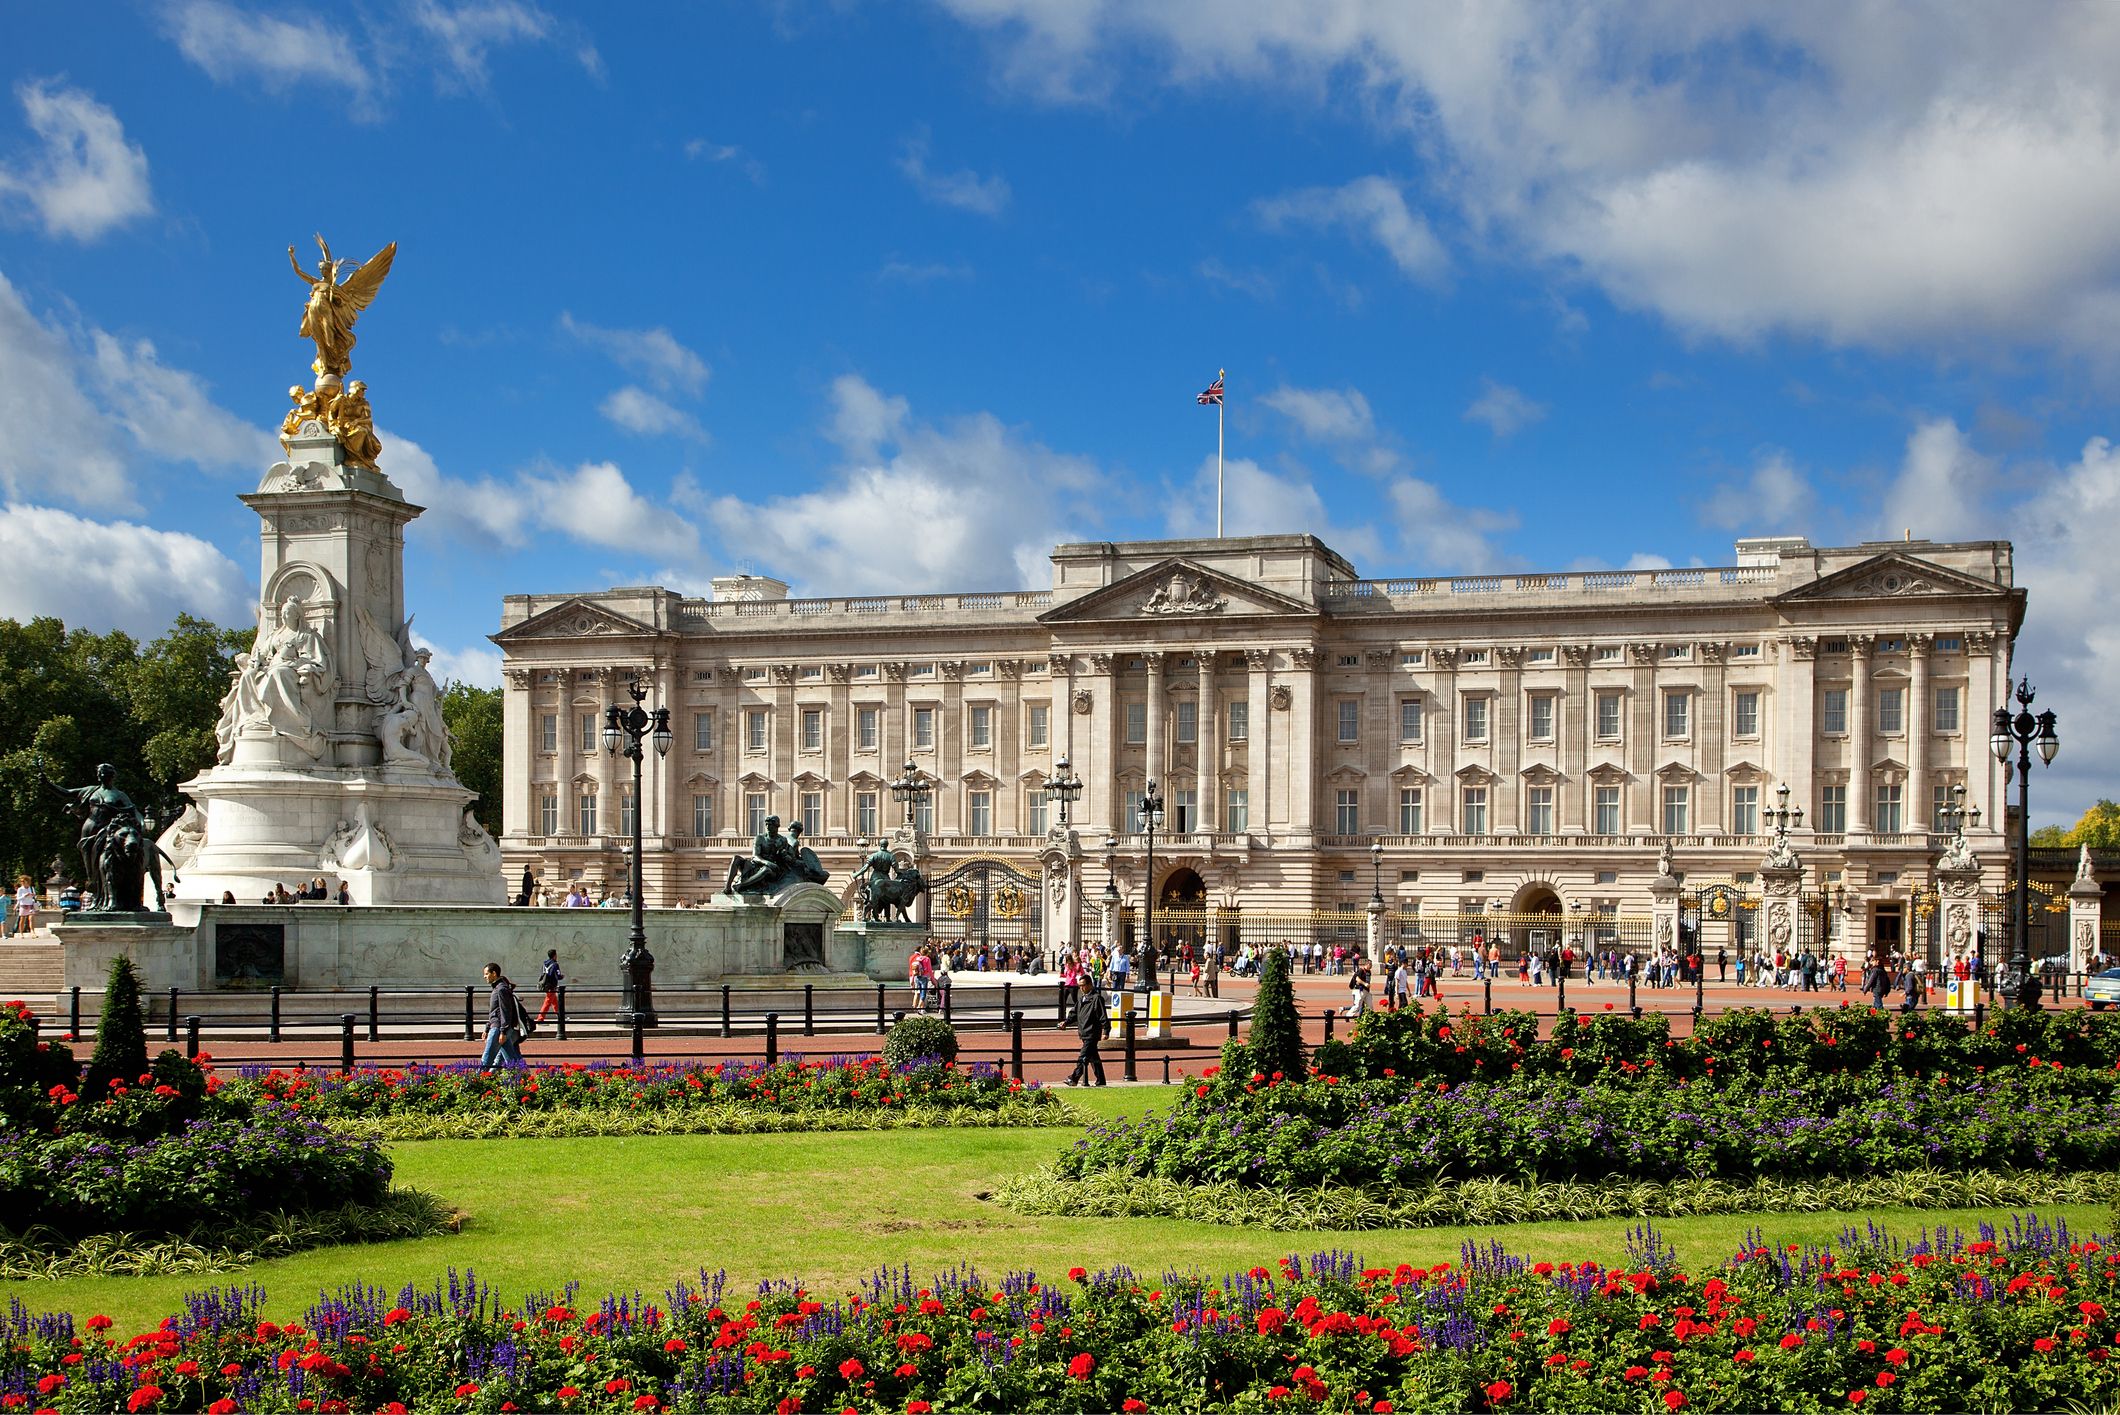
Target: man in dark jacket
{"type": "Point", "coordinates": [1876, 981]}
{"type": "Point", "coordinates": [1091, 1020]}
{"type": "Point", "coordinates": [504, 1022]}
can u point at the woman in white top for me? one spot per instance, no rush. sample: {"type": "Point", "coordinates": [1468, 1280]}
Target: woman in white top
{"type": "Point", "coordinates": [25, 905]}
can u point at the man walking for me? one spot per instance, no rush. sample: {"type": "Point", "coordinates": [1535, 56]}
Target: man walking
{"type": "Point", "coordinates": [1092, 1018]}
{"type": "Point", "coordinates": [504, 1022]}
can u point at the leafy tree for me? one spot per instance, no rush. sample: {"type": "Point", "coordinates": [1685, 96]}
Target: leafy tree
{"type": "Point", "coordinates": [2098, 827]}
{"type": "Point", "coordinates": [1276, 1042]}
{"type": "Point", "coordinates": [177, 689]}
{"type": "Point", "coordinates": [474, 718]}
{"type": "Point", "coordinates": [121, 1033]}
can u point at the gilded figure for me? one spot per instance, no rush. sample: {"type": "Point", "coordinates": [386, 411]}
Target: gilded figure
{"type": "Point", "coordinates": [353, 422]}
{"type": "Point", "coordinates": [335, 303]}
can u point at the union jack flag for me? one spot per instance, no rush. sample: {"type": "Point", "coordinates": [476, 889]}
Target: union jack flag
{"type": "Point", "coordinates": [1213, 393]}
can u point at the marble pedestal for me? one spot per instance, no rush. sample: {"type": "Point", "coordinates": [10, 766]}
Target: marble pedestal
{"type": "Point", "coordinates": [880, 950]}
{"type": "Point", "coordinates": [164, 954]}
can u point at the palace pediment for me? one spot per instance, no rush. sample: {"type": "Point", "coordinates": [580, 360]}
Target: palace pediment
{"type": "Point", "coordinates": [1893, 575]}
{"type": "Point", "coordinates": [575, 619]}
{"type": "Point", "coordinates": [1177, 590]}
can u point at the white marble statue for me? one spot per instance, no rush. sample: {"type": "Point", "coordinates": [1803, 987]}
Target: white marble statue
{"type": "Point", "coordinates": [285, 690]}
{"type": "Point", "coordinates": [409, 726]}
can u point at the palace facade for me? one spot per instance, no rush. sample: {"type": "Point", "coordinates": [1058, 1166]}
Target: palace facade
{"type": "Point", "coordinates": [1521, 745]}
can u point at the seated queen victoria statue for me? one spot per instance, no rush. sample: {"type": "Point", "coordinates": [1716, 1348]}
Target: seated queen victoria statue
{"type": "Point", "coordinates": [285, 691]}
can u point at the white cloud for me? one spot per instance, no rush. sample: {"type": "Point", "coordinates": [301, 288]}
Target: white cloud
{"type": "Point", "coordinates": [115, 575]}
{"type": "Point", "coordinates": [966, 190]}
{"type": "Point", "coordinates": [1373, 207]}
{"type": "Point", "coordinates": [654, 354]}
{"type": "Point", "coordinates": [233, 45]}
{"type": "Point", "coordinates": [1258, 502]}
{"type": "Point", "coordinates": [465, 35]}
{"type": "Point", "coordinates": [637, 410]}
{"type": "Point", "coordinates": [88, 179]}
{"type": "Point", "coordinates": [478, 665]}
{"type": "Point", "coordinates": [1324, 414]}
{"type": "Point", "coordinates": [1942, 487]}
{"type": "Point", "coordinates": [1505, 410]}
{"type": "Point", "coordinates": [1878, 174]}
{"type": "Point", "coordinates": [1775, 499]}
{"type": "Point", "coordinates": [69, 400]}
{"type": "Point", "coordinates": [1255, 283]}
{"type": "Point", "coordinates": [701, 150]}
{"type": "Point", "coordinates": [1445, 538]}
{"type": "Point", "coordinates": [969, 504]}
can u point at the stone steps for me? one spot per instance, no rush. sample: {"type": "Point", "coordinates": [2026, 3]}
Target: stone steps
{"type": "Point", "coordinates": [31, 970]}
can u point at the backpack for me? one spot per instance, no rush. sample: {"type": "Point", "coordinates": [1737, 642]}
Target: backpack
{"type": "Point", "coordinates": [524, 1022]}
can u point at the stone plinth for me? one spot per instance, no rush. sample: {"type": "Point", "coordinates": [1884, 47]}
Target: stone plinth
{"type": "Point", "coordinates": [163, 954]}
{"type": "Point", "coordinates": [880, 950]}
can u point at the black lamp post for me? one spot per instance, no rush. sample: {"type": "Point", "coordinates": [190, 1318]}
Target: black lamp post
{"type": "Point", "coordinates": [1782, 818]}
{"type": "Point", "coordinates": [1376, 872]}
{"type": "Point", "coordinates": [2022, 730]}
{"type": "Point", "coordinates": [625, 729]}
{"type": "Point", "coordinates": [1151, 817]}
{"type": "Point", "coordinates": [911, 788]}
{"type": "Point", "coordinates": [1064, 787]}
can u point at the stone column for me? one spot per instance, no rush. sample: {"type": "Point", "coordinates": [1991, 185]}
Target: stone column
{"type": "Point", "coordinates": [1063, 892]}
{"type": "Point", "coordinates": [839, 751]}
{"type": "Point", "coordinates": [1158, 761]}
{"type": "Point", "coordinates": [1792, 755]}
{"type": "Point", "coordinates": [1663, 910]}
{"type": "Point", "coordinates": [519, 756]}
{"type": "Point", "coordinates": [566, 762]}
{"type": "Point", "coordinates": [2086, 916]}
{"type": "Point", "coordinates": [1505, 731]}
{"type": "Point", "coordinates": [662, 773]}
{"type": "Point", "coordinates": [1445, 816]}
{"type": "Point", "coordinates": [1986, 688]}
{"type": "Point", "coordinates": [1377, 909]}
{"type": "Point", "coordinates": [1575, 721]}
{"type": "Point", "coordinates": [1920, 816]}
{"type": "Point", "coordinates": [1645, 796]}
{"type": "Point", "coordinates": [1257, 745]}
{"type": "Point", "coordinates": [1302, 752]}
{"type": "Point", "coordinates": [1782, 887]}
{"type": "Point", "coordinates": [1860, 752]}
{"type": "Point", "coordinates": [1207, 750]}
{"type": "Point", "coordinates": [605, 770]}
{"type": "Point", "coordinates": [949, 753]}
{"type": "Point", "coordinates": [1958, 894]}
{"type": "Point", "coordinates": [1107, 802]}
{"type": "Point", "coordinates": [1710, 738]}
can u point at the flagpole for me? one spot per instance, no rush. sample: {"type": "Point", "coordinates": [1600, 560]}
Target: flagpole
{"type": "Point", "coordinates": [1219, 376]}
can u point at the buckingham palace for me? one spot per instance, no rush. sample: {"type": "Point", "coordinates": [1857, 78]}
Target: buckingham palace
{"type": "Point", "coordinates": [1519, 746]}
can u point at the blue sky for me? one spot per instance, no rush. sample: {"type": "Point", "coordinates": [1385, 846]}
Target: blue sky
{"type": "Point", "coordinates": [687, 289]}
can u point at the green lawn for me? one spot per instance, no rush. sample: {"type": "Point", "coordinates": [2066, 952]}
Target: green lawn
{"type": "Point", "coordinates": [636, 1213]}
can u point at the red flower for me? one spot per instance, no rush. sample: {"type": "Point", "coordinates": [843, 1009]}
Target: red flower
{"type": "Point", "coordinates": [144, 1397]}
{"type": "Point", "coordinates": [851, 1370]}
{"type": "Point", "coordinates": [1077, 1274]}
{"type": "Point", "coordinates": [2043, 1344]}
{"type": "Point", "coordinates": [1133, 1406]}
{"type": "Point", "coordinates": [1382, 1407]}
{"type": "Point", "coordinates": [223, 1406]}
{"type": "Point", "coordinates": [1558, 1327]}
{"type": "Point", "coordinates": [1277, 1392]}
{"type": "Point", "coordinates": [646, 1402]}
{"type": "Point", "coordinates": [617, 1387]}
{"type": "Point", "coordinates": [1855, 1396]}
{"type": "Point", "coordinates": [1635, 1373]}
{"type": "Point", "coordinates": [1673, 1399]}
{"type": "Point", "coordinates": [1885, 1378]}
{"type": "Point", "coordinates": [99, 1322]}
{"type": "Point", "coordinates": [1897, 1356]}
{"type": "Point", "coordinates": [1498, 1392]}
{"type": "Point", "coordinates": [1791, 1340]}
{"type": "Point", "coordinates": [1742, 1357]}
{"type": "Point", "coordinates": [1271, 1320]}
{"type": "Point", "coordinates": [675, 1343]}
{"type": "Point", "coordinates": [568, 1392]}
{"type": "Point", "coordinates": [467, 1390]}
{"type": "Point", "coordinates": [1081, 1366]}
{"type": "Point", "coordinates": [917, 1407]}
{"type": "Point", "coordinates": [50, 1383]}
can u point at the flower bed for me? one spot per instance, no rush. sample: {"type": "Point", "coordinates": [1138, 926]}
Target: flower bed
{"type": "Point", "coordinates": [2021, 1319]}
{"type": "Point", "coordinates": [1284, 1134]}
{"type": "Point", "coordinates": [836, 1093]}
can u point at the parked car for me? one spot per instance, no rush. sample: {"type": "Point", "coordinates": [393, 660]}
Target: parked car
{"type": "Point", "coordinates": [2103, 989]}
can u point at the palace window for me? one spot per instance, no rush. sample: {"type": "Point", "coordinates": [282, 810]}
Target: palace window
{"type": "Point", "coordinates": [1350, 660]}
{"type": "Point", "coordinates": [1538, 810]}
{"type": "Point", "coordinates": [1939, 803]}
{"type": "Point", "coordinates": [1474, 801]}
{"type": "Point", "coordinates": [1188, 721]}
{"type": "Point", "coordinates": [982, 725]}
{"type": "Point", "coordinates": [1350, 715]}
{"type": "Point", "coordinates": [864, 670]}
{"type": "Point", "coordinates": [1038, 725]}
{"type": "Point", "coordinates": [1946, 709]}
{"type": "Point", "coordinates": [1744, 650]}
{"type": "Point", "coordinates": [1833, 713]}
{"type": "Point", "coordinates": [1608, 717]}
{"type": "Point", "coordinates": [1239, 721]}
{"type": "Point", "coordinates": [1678, 709]}
{"type": "Point", "coordinates": [1475, 657]}
{"type": "Point", "coordinates": [1744, 810]}
{"type": "Point", "coordinates": [1475, 719]}
{"type": "Point", "coordinates": [811, 808]}
{"type": "Point", "coordinates": [1346, 813]}
{"type": "Point", "coordinates": [1236, 809]}
{"type": "Point", "coordinates": [810, 672]}
{"type": "Point", "coordinates": [585, 812]}
{"type": "Point", "coordinates": [1409, 810]}
{"type": "Point", "coordinates": [1832, 810]}
{"type": "Point", "coordinates": [1605, 806]}
{"type": "Point", "coordinates": [703, 731]}
{"type": "Point", "coordinates": [754, 812]}
{"type": "Point", "coordinates": [813, 729]}
{"type": "Point", "coordinates": [1891, 711]}
{"type": "Point", "coordinates": [754, 729]}
{"type": "Point", "coordinates": [1745, 719]}
{"type": "Point", "coordinates": [1542, 717]}
{"type": "Point", "coordinates": [1608, 653]}
{"type": "Point", "coordinates": [1678, 651]}
{"type": "Point", "coordinates": [1677, 799]}
{"type": "Point", "coordinates": [1184, 810]}
{"type": "Point", "coordinates": [702, 813]}
{"type": "Point", "coordinates": [924, 814]}
{"type": "Point", "coordinates": [627, 811]}
{"type": "Point", "coordinates": [979, 812]}
{"type": "Point", "coordinates": [585, 727]}
{"type": "Point", "coordinates": [924, 729]}
{"type": "Point", "coordinates": [1413, 659]}
{"type": "Point", "coordinates": [548, 813]}
{"type": "Point", "coordinates": [866, 722]}
{"type": "Point", "coordinates": [865, 818]}
{"type": "Point", "coordinates": [548, 732]}
{"type": "Point", "coordinates": [1887, 821]}
{"type": "Point", "coordinates": [1409, 719]}
{"type": "Point", "coordinates": [1539, 656]}
{"type": "Point", "coordinates": [1038, 814]}
{"type": "Point", "coordinates": [1136, 724]}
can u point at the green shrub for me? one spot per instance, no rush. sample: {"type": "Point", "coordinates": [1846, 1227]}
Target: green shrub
{"type": "Point", "coordinates": [1276, 1030]}
{"type": "Point", "coordinates": [917, 1037]}
{"type": "Point", "coordinates": [121, 1034]}
{"type": "Point", "coordinates": [29, 1069]}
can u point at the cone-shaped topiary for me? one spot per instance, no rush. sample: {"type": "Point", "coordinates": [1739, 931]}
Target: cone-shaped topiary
{"type": "Point", "coordinates": [1276, 1029]}
{"type": "Point", "coordinates": [121, 1034]}
{"type": "Point", "coordinates": [918, 1037]}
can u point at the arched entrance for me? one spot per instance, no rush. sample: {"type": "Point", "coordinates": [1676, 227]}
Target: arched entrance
{"type": "Point", "coordinates": [1181, 914]}
{"type": "Point", "coordinates": [1535, 923]}
{"type": "Point", "coordinates": [1182, 889]}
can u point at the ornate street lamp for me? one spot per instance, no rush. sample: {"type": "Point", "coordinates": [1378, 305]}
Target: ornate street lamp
{"type": "Point", "coordinates": [1151, 816]}
{"type": "Point", "coordinates": [1064, 787]}
{"type": "Point", "coordinates": [1376, 872]}
{"type": "Point", "coordinates": [626, 729]}
{"type": "Point", "coordinates": [2018, 983]}
{"type": "Point", "coordinates": [912, 789]}
{"type": "Point", "coordinates": [1111, 872]}
{"type": "Point", "coordinates": [1782, 818]}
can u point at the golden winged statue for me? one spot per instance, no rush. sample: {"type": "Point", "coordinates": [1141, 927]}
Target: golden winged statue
{"type": "Point", "coordinates": [334, 304]}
